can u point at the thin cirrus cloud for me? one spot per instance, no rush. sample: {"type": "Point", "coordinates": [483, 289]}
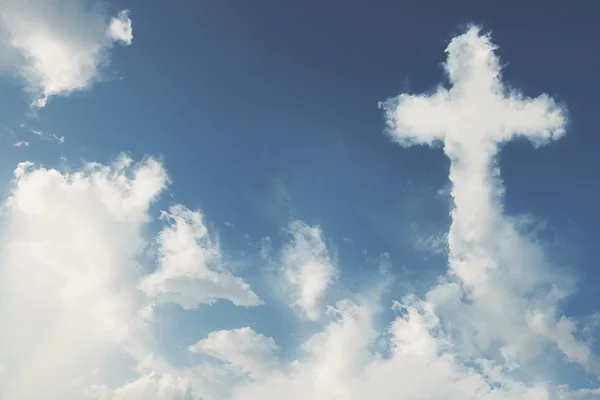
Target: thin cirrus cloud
{"type": "Point", "coordinates": [58, 47]}
{"type": "Point", "coordinates": [79, 312]}
{"type": "Point", "coordinates": [48, 136]}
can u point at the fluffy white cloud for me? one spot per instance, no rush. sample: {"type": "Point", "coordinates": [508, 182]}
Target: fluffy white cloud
{"type": "Point", "coordinates": [120, 29]}
{"type": "Point", "coordinates": [70, 253]}
{"type": "Point", "coordinates": [254, 353]}
{"type": "Point", "coordinates": [58, 46]}
{"type": "Point", "coordinates": [190, 270]}
{"type": "Point", "coordinates": [307, 267]}
{"type": "Point", "coordinates": [505, 279]}
{"type": "Point", "coordinates": [68, 270]}
{"type": "Point", "coordinates": [339, 363]}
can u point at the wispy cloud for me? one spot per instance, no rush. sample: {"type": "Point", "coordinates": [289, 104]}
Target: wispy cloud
{"type": "Point", "coordinates": [58, 139]}
{"type": "Point", "coordinates": [190, 270]}
{"type": "Point", "coordinates": [48, 136]}
{"type": "Point", "coordinates": [21, 143]}
{"type": "Point", "coordinates": [435, 243]}
{"type": "Point", "coordinates": [307, 267]}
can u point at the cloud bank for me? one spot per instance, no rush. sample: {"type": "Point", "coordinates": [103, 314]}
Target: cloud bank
{"type": "Point", "coordinates": [80, 298]}
{"type": "Point", "coordinates": [57, 47]}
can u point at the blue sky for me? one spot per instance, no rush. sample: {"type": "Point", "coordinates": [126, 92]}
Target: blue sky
{"type": "Point", "coordinates": [251, 199]}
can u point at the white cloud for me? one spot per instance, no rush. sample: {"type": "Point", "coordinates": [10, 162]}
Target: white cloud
{"type": "Point", "coordinates": [307, 267]}
{"type": "Point", "coordinates": [58, 47]}
{"type": "Point", "coordinates": [190, 270]}
{"type": "Point", "coordinates": [48, 136]}
{"type": "Point", "coordinates": [254, 353]}
{"type": "Point", "coordinates": [69, 275]}
{"type": "Point", "coordinates": [60, 139]}
{"type": "Point", "coordinates": [504, 276]}
{"type": "Point", "coordinates": [148, 387]}
{"type": "Point", "coordinates": [120, 30]}
{"type": "Point", "coordinates": [21, 143]}
{"type": "Point", "coordinates": [68, 269]}
{"type": "Point", "coordinates": [339, 363]}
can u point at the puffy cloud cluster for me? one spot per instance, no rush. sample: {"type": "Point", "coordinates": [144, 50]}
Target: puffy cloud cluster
{"type": "Point", "coordinates": [57, 47]}
{"type": "Point", "coordinates": [68, 257]}
{"type": "Point", "coordinates": [78, 308]}
{"type": "Point", "coordinates": [69, 274]}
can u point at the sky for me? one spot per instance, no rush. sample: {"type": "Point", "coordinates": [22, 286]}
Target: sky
{"type": "Point", "coordinates": [303, 200]}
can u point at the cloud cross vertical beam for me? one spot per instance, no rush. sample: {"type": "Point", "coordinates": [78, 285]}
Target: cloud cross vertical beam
{"type": "Point", "coordinates": [471, 119]}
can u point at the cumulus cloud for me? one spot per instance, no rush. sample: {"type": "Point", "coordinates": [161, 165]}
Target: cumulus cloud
{"type": "Point", "coordinates": [120, 30]}
{"type": "Point", "coordinates": [254, 353]}
{"type": "Point", "coordinates": [60, 46]}
{"type": "Point", "coordinates": [68, 266]}
{"type": "Point", "coordinates": [190, 270]}
{"type": "Point", "coordinates": [70, 250]}
{"type": "Point", "coordinates": [339, 363]}
{"type": "Point", "coordinates": [307, 267]}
